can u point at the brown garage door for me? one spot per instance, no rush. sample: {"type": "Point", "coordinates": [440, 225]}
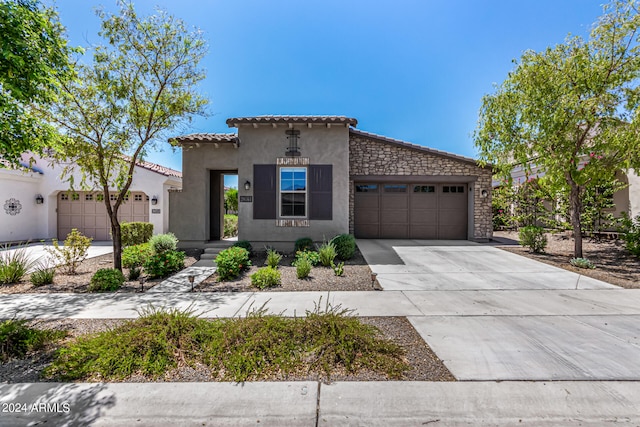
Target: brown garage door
{"type": "Point", "coordinates": [86, 211]}
{"type": "Point", "coordinates": [415, 211]}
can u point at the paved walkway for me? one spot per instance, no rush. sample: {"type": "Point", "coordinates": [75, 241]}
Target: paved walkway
{"type": "Point", "coordinates": [493, 317]}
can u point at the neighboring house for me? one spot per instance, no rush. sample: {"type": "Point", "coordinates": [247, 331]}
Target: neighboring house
{"type": "Point", "coordinates": [37, 204]}
{"type": "Point", "coordinates": [317, 176]}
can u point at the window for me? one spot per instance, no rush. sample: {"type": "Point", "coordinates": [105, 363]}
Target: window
{"type": "Point", "coordinates": [424, 189]}
{"type": "Point", "coordinates": [113, 197]}
{"type": "Point", "coordinates": [100, 197]}
{"type": "Point", "coordinates": [293, 192]}
{"type": "Point", "coordinates": [88, 197]}
{"type": "Point", "coordinates": [64, 197]}
{"type": "Point", "coordinates": [366, 188]}
{"type": "Point", "coordinates": [395, 188]}
{"type": "Point", "coordinates": [453, 189]}
{"type": "Point", "coordinates": [137, 197]}
{"type": "Point", "coordinates": [75, 197]}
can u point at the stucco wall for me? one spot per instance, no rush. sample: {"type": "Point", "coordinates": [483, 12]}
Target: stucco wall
{"type": "Point", "coordinates": [369, 156]}
{"type": "Point", "coordinates": [634, 193]}
{"type": "Point", "coordinates": [322, 145]}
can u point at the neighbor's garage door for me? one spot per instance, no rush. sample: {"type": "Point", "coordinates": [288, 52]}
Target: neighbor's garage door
{"type": "Point", "coordinates": [413, 211]}
{"type": "Point", "coordinates": [86, 212]}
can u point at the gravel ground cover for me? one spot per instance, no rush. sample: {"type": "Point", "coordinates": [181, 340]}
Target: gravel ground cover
{"type": "Point", "coordinates": [613, 263]}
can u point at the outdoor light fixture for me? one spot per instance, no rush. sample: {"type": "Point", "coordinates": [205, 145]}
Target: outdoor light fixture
{"type": "Point", "coordinates": [154, 200]}
{"type": "Point", "coordinates": [292, 149]}
{"type": "Point", "coordinates": [373, 280]}
{"type": "Point", "coordinates": [484, 193]}
{"type": "Point", "coordinates": [39, 199]}
{"type": "Point", "coordinates": [247, 185]}
{"type": "Point", "coordinates": [191, 279]}
{"type": "Point", "coordinates": [141, 280]}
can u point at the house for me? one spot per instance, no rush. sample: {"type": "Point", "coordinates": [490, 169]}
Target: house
{"type": "Point", "coordinates": [317, 176]}
{"type": "Point", "coordinates": [37, 204]}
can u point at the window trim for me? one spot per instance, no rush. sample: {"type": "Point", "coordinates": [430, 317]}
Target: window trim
{"type": "Point", "coordinates": [305, 192]}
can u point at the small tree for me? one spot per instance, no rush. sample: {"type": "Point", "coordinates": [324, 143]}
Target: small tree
{"type": "Point", "coordinates": [140, 85]}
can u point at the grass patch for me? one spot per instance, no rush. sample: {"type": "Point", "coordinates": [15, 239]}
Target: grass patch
{"type": "Point", "coordinates": [17, 339]}
{"type": "Point", "coordinates": [256, 347]}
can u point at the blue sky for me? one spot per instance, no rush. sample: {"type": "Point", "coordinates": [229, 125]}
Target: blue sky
{"type": "Point", "coordinates": [414, 70]}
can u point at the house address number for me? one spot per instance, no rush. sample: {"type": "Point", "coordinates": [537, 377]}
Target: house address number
{"type": "Point", "coordinates": [248, 199]}
{"type": "Point", "coordinates": [155, 211]}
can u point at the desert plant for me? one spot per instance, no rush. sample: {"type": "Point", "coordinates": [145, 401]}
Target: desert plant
{"type": "Point", "coordinates": [245, 244]}
{"type": "Point", "coordinates": [533, 237]}
{"type": "Point", "coordinates": [338, 269]}
{"type": "Point", "coordinates": [135, 233]}
{"type": "Point", "coordinates": [230, 225]}
{"type": "Point", "coordinates": [230, 262]}
{"type": "Point", "coordinates": [135, 256]}
{"type": "Point", "coordinates": [43, 275]}
{"type": "Point", "coordinates": [303, 244]}
{"type": "Point", "coordinates": [266, 277]}
{"type": "Point", "coordinates": [16, 338]}
{"type": "Point", "coordinates": [164, 263]}
{"type": "Point", "coordinates": [327, 254]}
{"type": "Point", "coordinates": [75, 250]}
{"type": "Point", "coordinates": [303, 268]}
{"type": "Point", "coordinates": [14, 264]}
{"type": "Point", "coordinates": [312, 256]}
{"type": "Point", "coordinates": [163, 242]}
{"type": "Point", "coordinates": [582, 263]}
{"type": "Point", "coordinates": [106, 280]}
{"type": "Point", "coordinates": [273, 258]}
{"type": "Point", "coordinates": [345, 245]}
{"type": "Point", "coordinates": [630, 229]}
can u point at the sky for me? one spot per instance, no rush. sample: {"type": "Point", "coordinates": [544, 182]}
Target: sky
{"type": "Point", "coordinates": [414, 70]}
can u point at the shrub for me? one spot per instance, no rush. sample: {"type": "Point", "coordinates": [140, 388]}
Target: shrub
{"type": "Point", "coordinates": [230, 262]}
{"type": "Point", "coordinates": [303, 267]}
{"type": "Point", "coordinates": [533, 238]}
{"type": "Point", "coordinates": [16, 338]}
{"type": "Point", "coordinates": [631, 233]}
{"type": "Point", "coordinates": [43, 276]}
{"type": "Point", "coordinates": [135, 233]}
{"type": "Point", "coordinates": [164, 263]}
{"type": "Point", "coordinates": [311, 256]}
{"type": "Point", "coordinates": [134, 273]}
{"type": "Point", "coordinates": [338, 269]}
{"type": "Point", "coordinates": [163, 243]}
{"type": "Point", "coordinates": [245, 244]}
{"type": "Point", "coordinates": [135, 256]}
{"type": "Point", "coordinates": [74, 251]}
{"type": "Point", "coordinates": [303, 244]}
{"type": "Point", "coordinates": [230, 225]}
{"type": "Point", "coordinates": [266, 277]}
{"type": "Point", "coordinates": [327, 254]}
{"type": "Point", "coordinates": [14, 264]}
{"type": "Point", "coordinates": [273, 258]}
{"type": "Point", "coordinates": [582, 263]}
{"type": "Point", "coordinates": [345, 245]}
{"type": "Point", "coordinates": [106, 280]}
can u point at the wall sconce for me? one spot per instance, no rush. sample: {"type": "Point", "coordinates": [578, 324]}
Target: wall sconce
{"type": "Point", "coordinates": [154, 200]}
{"type": "Point", "coordinates": [39, 199]}
{"type": "Point", "coordinates": [247, 185]}
{"type": "Point", "coordinates": [484, 193]}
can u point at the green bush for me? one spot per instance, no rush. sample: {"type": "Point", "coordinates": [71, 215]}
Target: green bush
{"type": "Point", "coordinates": [135, 256]}
{"type": "Point", "coordinates": [14, 265]}
{"type": "Point", "coordinates": [43, 276]}
{"type": "Point", "coordinates": [630, 229]}
{"type": "Point", "coordinates": [230, 225]}
{"type": "Point", "coordinates": [230, 262]}
{"type": "Point", "coordinates": [75, 250]}
{"type": "Point", "coordinates": [273, 258]}
{"type": "Point", "coordinates": [338, 269]}
{"type": "Point", "coordinates": [266, 277]}
{"type": "Point", "coordinates": [17, 339]}
{"type": "Point", "coordinates": [164, 263]}
{"type": "Point", "coordinates": [135, 233]}
{"type": "Point", "coordinates": [303, 244]}
{"type": "Point", "coordinates": [303, 267]}
{"type": "Point", "coordinates": [312, 256]}
{"type": "Point", "coordinates": [245, 244]}
{"type": "Point", "coordinates": [106, 280]}
{"type": "Point", "coordinates": [582, 263]}
{"type": "Point", "coordinates": [345, 245]}
{"type": "Point", "coordinates": [327, 254]}
{"type": "Point", "coordinates": [533, 238]}
{"type": "Point", "coordinates": [163, 243]}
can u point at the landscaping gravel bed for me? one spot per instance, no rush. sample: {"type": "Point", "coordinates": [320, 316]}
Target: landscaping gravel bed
{"type": "Point", "coordinates": [425, 365]}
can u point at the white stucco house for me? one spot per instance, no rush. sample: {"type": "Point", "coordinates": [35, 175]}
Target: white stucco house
{"type": "Point", "coordinates": [37, 204]}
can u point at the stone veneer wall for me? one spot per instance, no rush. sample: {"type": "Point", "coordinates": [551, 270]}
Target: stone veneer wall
{"type": "Point", "coordinates": [368, 156]}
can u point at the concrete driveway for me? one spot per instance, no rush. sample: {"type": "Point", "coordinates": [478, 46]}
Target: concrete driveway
{"type": "Point", "coordinates": [38, 254]}
{"type": "Point", "coordinates": [493, 315]}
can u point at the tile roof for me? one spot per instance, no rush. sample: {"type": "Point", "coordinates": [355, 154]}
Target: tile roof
{"type": "Point", "coordinates": [163, 170]}
{"type": "Point", "coordinates": [206, 137]}
{"type": "Point", "coordinates": [412, 146]}
{"type": "Point", "coordinates": [232, 122]}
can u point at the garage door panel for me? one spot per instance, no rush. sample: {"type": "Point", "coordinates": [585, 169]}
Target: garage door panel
{"type": "Point", "coordinates": [366, 216]}
{"type": "Point", "coordinates": [424, 216]}
{"type": "Point", "coordinates": [394, 216]}
{"type": "Point", "coordinates": [394, 231]}
{"type": "Point", "coordinates": [394, 201]}
{"type": "Point", "coordinates": [423, 231]}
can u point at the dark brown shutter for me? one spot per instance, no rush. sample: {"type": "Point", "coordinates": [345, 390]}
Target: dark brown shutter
{"type": "Point", "coordinates": [264, 191]}
{"type": "Point", "coordinates": [320, 192]}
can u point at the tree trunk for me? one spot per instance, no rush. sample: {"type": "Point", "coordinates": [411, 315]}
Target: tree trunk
{"type": "Point", "coordinates": [117, 242]}
{"type": "Point", "coordinates": [576, 208]}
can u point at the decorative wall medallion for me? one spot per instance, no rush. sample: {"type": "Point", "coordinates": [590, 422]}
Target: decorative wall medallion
{"type": "Point", "coordinates": [12, 206]}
